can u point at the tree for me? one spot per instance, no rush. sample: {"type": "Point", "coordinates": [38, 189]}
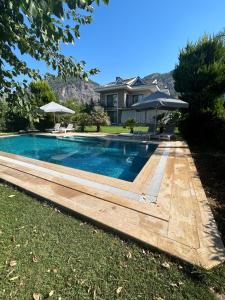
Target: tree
{"type": "Point", "coordinates": [200, 73]}
{"type": "Point", "coordinates": [130, 123]}
{"type": "Point", "coordinates": [83, 119]}
{"type": "Point", "coordinates": [37, 28]}
{"type": "Point", "coordinates": [89, 107]}
{"type": "Point", "coordinates": [3, 114]}
{"type": "Point", "coordinates": [41, 92]}
{"type": "Point", "coordinates": [99, 118]}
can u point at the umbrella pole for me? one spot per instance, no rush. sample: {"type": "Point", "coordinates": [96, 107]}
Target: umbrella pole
{"type": "Point", "coordinates": [54, 118]}
{"type": "Point", "coordinates": [156, 113]}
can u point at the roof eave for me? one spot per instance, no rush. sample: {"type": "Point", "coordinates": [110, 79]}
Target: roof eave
{"type": "Point", "coordinates": [124, 87]}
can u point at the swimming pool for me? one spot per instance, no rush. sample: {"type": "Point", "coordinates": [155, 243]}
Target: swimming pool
{"type": "Point", "coordinates": [118, 159]}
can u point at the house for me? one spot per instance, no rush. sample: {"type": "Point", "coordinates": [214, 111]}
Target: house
{"type": "Point", "coordinates": [118, 97]}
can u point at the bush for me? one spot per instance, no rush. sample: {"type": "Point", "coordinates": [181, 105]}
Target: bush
{"type": "Point", "coordinates": [205, 129]}
{"type": "Point", "coordinates": [3, 112]}
{"type": "Point", "coordinates": [83, 120]}
{"type": "Point", "coordinates": [130, 123]}
{"type": "Point", "coordinates": [99, 118]}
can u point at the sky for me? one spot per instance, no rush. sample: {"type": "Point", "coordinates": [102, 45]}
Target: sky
{"type": "Point", "coordinates": [137, 37]}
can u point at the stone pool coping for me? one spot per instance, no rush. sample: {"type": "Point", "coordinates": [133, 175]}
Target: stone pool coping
{"type": "Point", "coordinates": [164, 207]}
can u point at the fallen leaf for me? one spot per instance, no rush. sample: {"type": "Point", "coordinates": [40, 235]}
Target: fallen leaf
{"type": "Point", "coordinates": [13, 263]}
{"type": "Point", "coordinates": [82, 223]}
{"type": "Point", "coordinates": [129, 255]}
{"type": "Point", "coordinates": [11, 196]}
{"type": "Point", "coordinates": [119, 289]}
{"type": "Point", "coordinates": [36, 296]}
{"type": "Point", "coordinates": [1, 232]}
{"type": "Point", "coordinates": [14, 278]}
{"type": "Point", "coordinates": [94, 295]}
{"type": "Point", "coordinates": [173, 284]}
{"type": "Point", "coordinates": [165, 265]}
{"type": "Point", "coordinates": [143, 251]}
{"type": "Point", "coordinates": [13, 239]}
{"type": "Point", "coordinates": [51, 293]}
{"type": "Point", "coordinates": [55, 270]}
{"type": "Point", "coordinates": [35, 259]}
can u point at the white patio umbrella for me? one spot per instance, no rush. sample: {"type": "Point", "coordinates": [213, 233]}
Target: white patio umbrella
{"type": "Point", "coordinates": [160, 100]}
{"type": "Point", "coordinates": [54, 108]}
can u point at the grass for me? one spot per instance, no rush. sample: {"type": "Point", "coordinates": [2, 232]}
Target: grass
{"type": "Point", "coordinates": [115, 129]}
{"type": "Point", "coordinates": [211, 167]}
{"type": "Point", "coordinates": [56, 251]}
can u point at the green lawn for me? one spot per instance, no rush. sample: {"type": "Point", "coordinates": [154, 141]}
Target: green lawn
{"type": "Point", "coordinates": [115, 129]}
{"type": "Point", "coordinates": [54, 251]}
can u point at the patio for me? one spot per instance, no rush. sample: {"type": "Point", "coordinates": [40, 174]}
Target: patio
{"type": "Point", "coordinates": [178, 221]}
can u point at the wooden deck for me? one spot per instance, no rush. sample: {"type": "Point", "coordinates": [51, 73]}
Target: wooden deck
{"type": "Point", "coordinates": [179, 221]}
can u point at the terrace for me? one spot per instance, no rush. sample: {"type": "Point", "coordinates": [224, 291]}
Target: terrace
{"type": "Point", "coordinates": [165, 206]}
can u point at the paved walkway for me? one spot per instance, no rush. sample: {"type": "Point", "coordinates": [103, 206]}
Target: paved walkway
{"type": "Point", "coordinates": [165, 207]}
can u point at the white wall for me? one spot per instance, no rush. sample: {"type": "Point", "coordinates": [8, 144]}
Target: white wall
{"type": "Point", "coordinates": [139, 116]}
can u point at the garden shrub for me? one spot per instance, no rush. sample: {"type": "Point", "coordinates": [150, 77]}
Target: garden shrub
{"type": "Point", "coordinates": [205, 129]}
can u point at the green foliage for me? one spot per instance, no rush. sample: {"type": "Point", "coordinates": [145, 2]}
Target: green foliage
{"type": "Point", "coordinates": [37, 28]}
{"type": "Point", "coordinates": [41, 92]}
{"type": "Point", "coordinates": [175, 116]}
{"type": "Point", "coordinates": [89, 107]}
{"type": "Point", "coordinates": [21, 113]}
{"type": "Point", "coordinates": [207, 130]}
{"type": "Point", "coordinates": [73, 104]}
{"type": "Point", "coordinates": [99, 118]}
{"type": "Point", "coordinates": [130, 123]}
{"type": "Point", "coordinates": [71, 118]}
{"type": "Point", "coordinates": [83, 119]}
{"type": "Point", "coordinates": [199, 75]}
{"type": "Point", "coordinates": [200, 80]}
{"type": "Point", "coordinates": [3, 114]}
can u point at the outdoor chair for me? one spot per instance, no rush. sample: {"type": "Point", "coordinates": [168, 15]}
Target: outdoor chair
{"type": "Point", "coordinates": [168, 132]}
{"type": "Point", "coordinates": [69, 128]}
{"type": "Point", "coordinates": [55, 129]}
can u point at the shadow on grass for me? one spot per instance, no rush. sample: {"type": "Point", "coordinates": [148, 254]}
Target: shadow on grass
{"type": "Point", "coordinates": [210, 164]}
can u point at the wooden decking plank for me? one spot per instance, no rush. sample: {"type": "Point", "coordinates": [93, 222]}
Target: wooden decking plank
{"type": "Point", "coordinates": [130, 222]}
{"type": "Point", "coordinates": [182, 225]}
{"type": "Point", "coordinates": [149, 209]}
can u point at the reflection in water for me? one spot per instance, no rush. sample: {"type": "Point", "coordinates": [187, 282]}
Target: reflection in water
{"type": "Point", "coordinates": [117, 159]}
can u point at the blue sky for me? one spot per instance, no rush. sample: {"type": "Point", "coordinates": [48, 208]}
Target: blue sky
{"type": "Point", "coordinates": [139, 37]}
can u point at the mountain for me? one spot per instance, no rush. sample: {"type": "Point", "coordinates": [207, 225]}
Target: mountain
{"type": "Point", "coordinates": [83, 92]}
{"type": "Point", "coordinates": [74, 88]}
{"type": "Point", "coordinates": [163, 80]}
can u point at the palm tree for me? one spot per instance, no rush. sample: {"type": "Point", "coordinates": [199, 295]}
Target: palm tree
{"type": "Point", "coordinates": [130, 123]}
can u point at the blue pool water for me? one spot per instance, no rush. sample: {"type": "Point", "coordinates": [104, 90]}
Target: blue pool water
{"type": "Point", "coordinates": [123, 160]}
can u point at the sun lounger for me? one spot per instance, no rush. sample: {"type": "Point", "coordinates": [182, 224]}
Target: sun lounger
{"type": "Point", "coordinates": [68, 128]}
{"type": "Point", "coordinates": [55, 129]}
{"type": "Point", "coordinates": [168, 132]}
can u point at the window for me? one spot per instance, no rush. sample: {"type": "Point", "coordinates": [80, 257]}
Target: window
{"type": "Point", "coordinates": [111, 100]}
{"type": "Point", "coordinates": [131, 99]}
{"type": "Point", "coordinates": [113, 116]}
{"type": "Point", "coordinates": [135, 99]}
